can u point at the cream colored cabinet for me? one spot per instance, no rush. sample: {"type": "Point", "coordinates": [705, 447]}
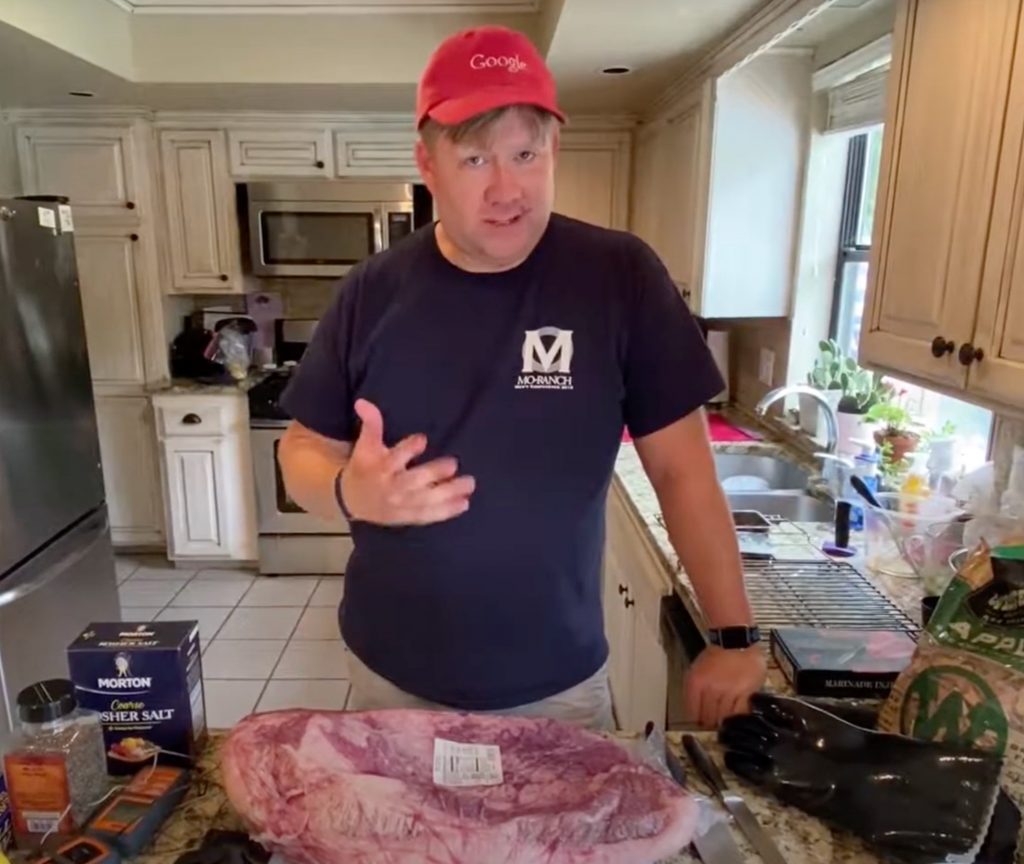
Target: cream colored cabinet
{"type": "Point", "coordinates": [207, 476]}
{"type": "Point", "coordinates": [370, 153]}
{"type": "Point", "coordinates": [95, 167]}
{"type": "Point", "coordinates": [945, 301]}
{"type": "Point", "coordinates": [592, 178]}
{"type": "Point", "coordinates": [202, 221]}
{"type": "Point", "coordinates": [634, 585]}
{"type": "Point", "coordinates": [130, 474]}
{"type": "Point", "coordinates": [947, 98]}
{"type": "Point", "coordinates": [109, 274]}
{"type": "Point", "coordinates": [280, 153]}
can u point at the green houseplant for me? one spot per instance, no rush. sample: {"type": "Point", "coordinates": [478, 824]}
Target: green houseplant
{"type": "Point", "coordinates": [895, 433]}
{"type": "Point", "coordinates": [824, 376]}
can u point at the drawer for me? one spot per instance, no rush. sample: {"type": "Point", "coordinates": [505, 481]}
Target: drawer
{"type": "Point", "coordinates": [205, 420]}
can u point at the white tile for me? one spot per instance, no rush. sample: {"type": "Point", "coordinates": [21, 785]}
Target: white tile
{"type": "Point", "coordinates": [261, 623]}
{"type": "Point", "coordinates": [152, 592]}
{"type": "Point", "coordinates": [317, 659]}
{"type": "Point", "coordinates": [279, 591]}
{"type": "Point", "coordinates": [198, 593]}
{"type": "Point", "coordinates": [318, 622]}
{"type": "Point", "coordinates": [242, 658]}
{"type": "Point", "coordinates": [328, 592]}
{"type": "Point", "coordinates": [164, 570]}
{"type": "Point", "coordinates": [227, 702]}
{"type": "Point", "coordinates": [210, 619]}
{"type": "Point", "coordinates": [225, 574]}
{"type": "Point", "coordinates": [124, 567]}
{"type": "Point", "coordinates": [140, 613]}
{"type": "Point", "coordinates": [321, 695]}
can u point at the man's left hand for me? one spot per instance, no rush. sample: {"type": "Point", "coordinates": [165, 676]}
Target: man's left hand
{"type": "Point", "coordinates": [721, 682]}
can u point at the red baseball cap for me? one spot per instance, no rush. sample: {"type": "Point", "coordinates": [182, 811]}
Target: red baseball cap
{"type": "Point", "coordinates": [480, 69]}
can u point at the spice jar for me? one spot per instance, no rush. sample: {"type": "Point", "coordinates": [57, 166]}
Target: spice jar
{"type": "Point", "coordinates": [56, 763]}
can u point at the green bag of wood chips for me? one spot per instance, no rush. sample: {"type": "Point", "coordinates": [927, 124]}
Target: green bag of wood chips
{"type": "Point", "coordinates": [965, 682]}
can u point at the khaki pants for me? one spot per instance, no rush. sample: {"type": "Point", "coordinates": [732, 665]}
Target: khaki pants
{"type": "Point", "coordinates": [588, 704]}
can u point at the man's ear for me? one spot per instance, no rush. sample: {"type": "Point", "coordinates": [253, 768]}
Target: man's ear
{"type": "Point", "coordinates": [425, 163]}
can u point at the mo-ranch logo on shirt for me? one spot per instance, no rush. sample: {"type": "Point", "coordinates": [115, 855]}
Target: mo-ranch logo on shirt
{"type": "Point", "coordinates": [546, 365]}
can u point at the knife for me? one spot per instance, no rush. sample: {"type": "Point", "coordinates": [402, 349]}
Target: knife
{"type": "Point", "coordinates": [746, 820]}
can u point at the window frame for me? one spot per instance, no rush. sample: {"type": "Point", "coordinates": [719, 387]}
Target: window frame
{"type": "Point", "coordinates": [850, 251]}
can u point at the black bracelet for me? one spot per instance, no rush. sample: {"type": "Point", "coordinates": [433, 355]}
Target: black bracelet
{"type": "Point", "coordinates": [339, 498]}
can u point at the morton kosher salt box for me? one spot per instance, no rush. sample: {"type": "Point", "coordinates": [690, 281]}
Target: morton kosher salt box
{"type": "Point", "coordinates": [146, 681]}
{"type": "Point", "coordinates": [6, 829]}
{"type": "Point", "coordinates": [841, 663]}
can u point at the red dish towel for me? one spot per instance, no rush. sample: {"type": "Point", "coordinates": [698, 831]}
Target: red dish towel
{"type": "Point", "coordinates": [720, 429]}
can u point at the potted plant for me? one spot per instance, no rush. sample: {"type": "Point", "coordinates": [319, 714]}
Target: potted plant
{"type": "Point", "coordinates": [824, 376]}
{"type": "Point", "coordinates": [862, 391]}
{"type": "Point", "coordinates": [895, 434]}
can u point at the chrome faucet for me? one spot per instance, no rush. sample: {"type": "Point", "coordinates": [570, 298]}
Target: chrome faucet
{"type": "Point", "coordinates": [831, 422]}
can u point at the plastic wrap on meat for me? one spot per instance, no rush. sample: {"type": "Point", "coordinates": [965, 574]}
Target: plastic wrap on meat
{"type": "Point", "coordinates": [323, 787]}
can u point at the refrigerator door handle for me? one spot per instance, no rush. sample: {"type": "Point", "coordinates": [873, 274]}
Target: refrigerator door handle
{"type": "Point", "coordinates": [18, 586]}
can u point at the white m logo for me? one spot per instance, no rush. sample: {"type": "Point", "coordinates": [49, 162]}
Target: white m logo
{"type": "Point", "coordinates": [537, 358]}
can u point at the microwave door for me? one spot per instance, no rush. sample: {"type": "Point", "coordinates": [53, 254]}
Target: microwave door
{"type": "Point", "coordinates": [312, 238]}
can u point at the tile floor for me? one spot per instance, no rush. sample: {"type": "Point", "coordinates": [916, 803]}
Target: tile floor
{"type": "Point", "coordinates": [268, 642]}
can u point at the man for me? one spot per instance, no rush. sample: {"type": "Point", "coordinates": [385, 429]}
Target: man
{"type": "Point", "coordinates": [463, 401]}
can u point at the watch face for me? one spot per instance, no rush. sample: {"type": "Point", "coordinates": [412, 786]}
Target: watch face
{"type": "Point", "coordinates": [738, 637]}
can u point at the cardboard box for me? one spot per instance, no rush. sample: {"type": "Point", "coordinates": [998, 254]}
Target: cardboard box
{"type": "Point", "coordinates": [146, 681]}
{"type": "Point", "coordinates": [6, 835]}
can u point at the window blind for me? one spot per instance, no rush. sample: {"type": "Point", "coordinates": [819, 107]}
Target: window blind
{"type": "Point", "coordinates": [857, 103]}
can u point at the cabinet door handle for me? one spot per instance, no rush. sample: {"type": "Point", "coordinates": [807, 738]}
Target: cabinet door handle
{"type": "Point", "coordinates": [622, 589]}
{"type": "Point", "coordinates": [134, 238]}
{"type": "Point", "coordinates": [630, 602]}
{"type": "Point", "coordinates": [191, 419]}
{"type": "Point", "coordinates": [941, 346]}
{"type": "Point", "coordinates": [319, 163]}
{"type": "Point", "coordinates": [224, 277]}
{"type": "Point", "coordinates": [969, 354]}
{"type": "Point", "coordinates": [130, 205]}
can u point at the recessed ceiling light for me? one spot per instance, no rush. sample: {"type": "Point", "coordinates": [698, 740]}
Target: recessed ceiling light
{"type": "Point", "coordinates": [84, 94]}
{"type": "Point", "coordinates": [616, 70]}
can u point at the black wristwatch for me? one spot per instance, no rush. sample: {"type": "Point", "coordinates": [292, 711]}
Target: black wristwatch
{"type": "Point", "coordinates": [733, 638]}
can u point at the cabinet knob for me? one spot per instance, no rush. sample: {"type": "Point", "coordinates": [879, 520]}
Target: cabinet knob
{"type": "Point", "coordinates": [191, 419]}
{"type": "Point", "coordinates": [224, 277]}
{"type": "Point", "coordinates": [319, 163]}
{"type": "Point", "coordinates": [134, 238]}
{"type": "Point", "coordinates": [630, 602]}
{"type": "Point", "coordinates": [942, 346]}
{"type": "Point", "coordinates": [969, 354]}
{"type": "Point", "coordinates": [130, 205]}
{"type": "Point", "coordinates": [622, 589]}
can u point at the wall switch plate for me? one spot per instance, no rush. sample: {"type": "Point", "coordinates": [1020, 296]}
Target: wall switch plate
{"type": "Point", "coordinates": [766, 372]}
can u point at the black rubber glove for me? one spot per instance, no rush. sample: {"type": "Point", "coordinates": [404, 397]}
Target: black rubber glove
{"type": "Point", "coordinates": [915, 800]}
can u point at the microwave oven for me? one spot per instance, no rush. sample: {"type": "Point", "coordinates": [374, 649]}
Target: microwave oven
{"type": "Point", "coordinates": [324, 228]}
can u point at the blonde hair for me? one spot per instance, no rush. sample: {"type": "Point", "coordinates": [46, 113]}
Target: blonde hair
{"type": "Point", "coordinates": [479, 129]}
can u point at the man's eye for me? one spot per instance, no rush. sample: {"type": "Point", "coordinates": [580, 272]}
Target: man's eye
{"type": "Point", "coordinates": [473, 161]}
{"type": "Point", "coordinates": [527, 155]}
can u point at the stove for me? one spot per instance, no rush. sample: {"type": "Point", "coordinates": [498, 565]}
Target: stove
{"type": "Point", "coordinates": [264, 399]}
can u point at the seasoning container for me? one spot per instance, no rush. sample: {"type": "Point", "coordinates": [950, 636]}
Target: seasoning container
{"type": "Point", "coordinates": [56, 764]}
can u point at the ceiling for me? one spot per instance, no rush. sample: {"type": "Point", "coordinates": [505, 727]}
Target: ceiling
{"type": "Point", "coordinates": [303, 55]}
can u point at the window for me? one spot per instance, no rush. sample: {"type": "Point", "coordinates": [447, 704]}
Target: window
{"type": "Point", "coordinates": [972, 424]}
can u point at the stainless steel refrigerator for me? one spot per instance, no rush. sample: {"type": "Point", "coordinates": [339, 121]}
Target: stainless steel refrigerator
{"type": "Point", "coordinates": [56, 560]}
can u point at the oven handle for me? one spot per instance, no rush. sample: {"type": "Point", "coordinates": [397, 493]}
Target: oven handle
{"type": "Point", "coordinates": [378, 229]}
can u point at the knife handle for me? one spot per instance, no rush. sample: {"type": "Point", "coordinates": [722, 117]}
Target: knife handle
{"type": "Point", "coordinates": [705, 764]}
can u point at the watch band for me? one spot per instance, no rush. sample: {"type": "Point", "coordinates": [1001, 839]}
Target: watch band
{"type": "Point", "coordinates": [340, 498]}
{"type": "Point", "coordinates": [734, 638]}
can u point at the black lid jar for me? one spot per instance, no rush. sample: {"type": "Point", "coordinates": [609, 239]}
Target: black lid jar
{"type": "Point", "coordinates": [47, 701]}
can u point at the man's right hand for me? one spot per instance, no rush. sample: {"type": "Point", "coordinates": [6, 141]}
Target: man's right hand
{"type": "Point", "coordinates": [378, 486]}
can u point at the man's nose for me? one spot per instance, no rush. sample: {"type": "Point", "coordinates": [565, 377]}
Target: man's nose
{"type": "Point", "coordinates": [503, 187]}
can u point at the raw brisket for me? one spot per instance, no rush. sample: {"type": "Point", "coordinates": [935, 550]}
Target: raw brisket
{"type": "Point", "coordinates": [323, 787]}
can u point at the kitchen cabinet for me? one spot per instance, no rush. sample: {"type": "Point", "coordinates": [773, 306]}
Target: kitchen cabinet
{"type": "Point", "coordinates": [375, 153]}
{"type": "Point", "coordinates": [109, 273]}
{"type": "Point", "coordinates": [130, 473]}
{"type": "Point", "coordinates": [592, 178]}
{"type": "Point", "coordinates": [95, 167]}
{"type": "Point", "coordinates": [201, 214]}
{"type": "Point", "coordinates": [206, 469]}
{"type": "Point", "coordinates": [280, 153]}
{"type": "Point", "coordinates": [945, 296]}
{"type": "Point", "coordinates": [634, 584]}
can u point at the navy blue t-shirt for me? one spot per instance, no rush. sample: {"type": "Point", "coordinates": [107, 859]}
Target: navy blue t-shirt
{"type": "Point", "coordinates": [527, 377]}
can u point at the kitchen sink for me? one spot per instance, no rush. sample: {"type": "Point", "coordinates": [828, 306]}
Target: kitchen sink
{"type": "Point", "coordinates": [742, 472]}
{"type": "Point", "coordinates": [795, 506]}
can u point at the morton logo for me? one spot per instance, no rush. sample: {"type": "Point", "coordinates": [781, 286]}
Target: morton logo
{"type": "Point", "coordinates": [124, 679]}
{"type": "Point", "coordinates": [546, 366]}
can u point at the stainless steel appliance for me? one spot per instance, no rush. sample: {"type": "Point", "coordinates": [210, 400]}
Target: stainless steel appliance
{"type": "Point", "coordinates": [324, 228]}
{"type": "Point", "coordinates": [290, 539]}
{"type": "Point", "coordinates": [56, 560]}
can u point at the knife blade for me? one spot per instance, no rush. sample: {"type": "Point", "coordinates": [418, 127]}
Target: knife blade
{"type": "Point", "coordinates": [743, 815]}
{"type": "Point", "coordinates": [716, 846]}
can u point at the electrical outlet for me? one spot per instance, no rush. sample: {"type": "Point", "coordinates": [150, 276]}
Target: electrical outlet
{"type": "Point", "coordinates": [767, 368]}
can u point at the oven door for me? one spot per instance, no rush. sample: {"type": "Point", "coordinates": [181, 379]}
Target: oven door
{"type": "Point", "coordinates": [312, 238]}
{"type": "Point", "coordinates": [277, 512]}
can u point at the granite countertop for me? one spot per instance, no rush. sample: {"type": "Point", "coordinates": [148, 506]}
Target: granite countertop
{"type": "Point", "coordinates": [801, 839]}
{"type": "Point", "coordinates": [190, 386]}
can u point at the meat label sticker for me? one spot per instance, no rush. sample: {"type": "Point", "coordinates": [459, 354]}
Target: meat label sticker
{"type": "Point", "coordinates": [466, 764]}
